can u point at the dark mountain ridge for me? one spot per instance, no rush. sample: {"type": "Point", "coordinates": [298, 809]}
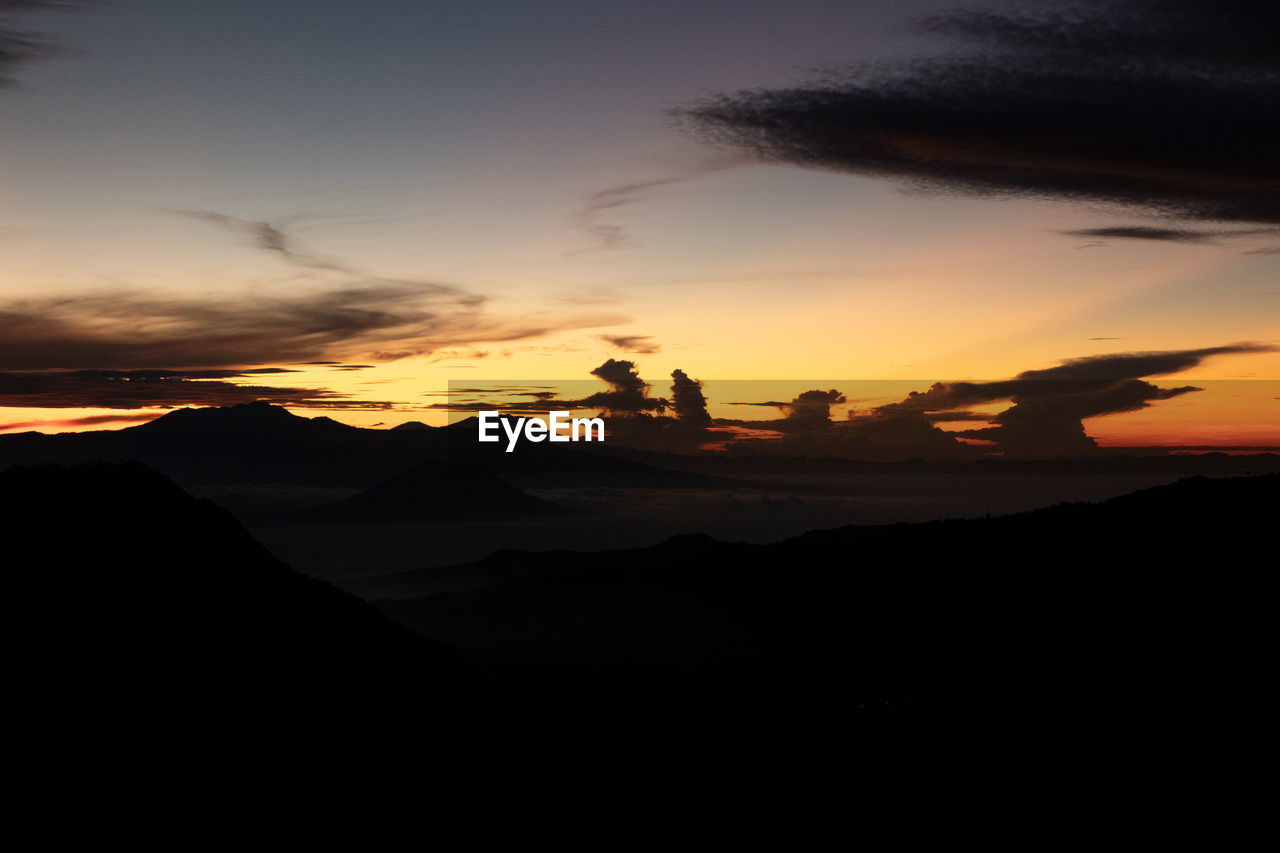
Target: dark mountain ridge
{"type": "Point", "coordinates": [146, 616]}
{"type": "Point", "coordinates": [1077, 632]}
{"type": "Point", "coordinates": [266, 444]}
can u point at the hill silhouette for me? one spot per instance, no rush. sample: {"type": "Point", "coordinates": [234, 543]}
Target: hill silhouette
{"type": "Point", "coordinates": [1077, 633]}
{"type": "Point", "coordinates": [149, 620]}
{"type": "Point", "coordinates": [250, 443]}
{"type": "Point", "coordinates": [258, 443]}
{"type": "Point", "coordinates": [1075, 637]}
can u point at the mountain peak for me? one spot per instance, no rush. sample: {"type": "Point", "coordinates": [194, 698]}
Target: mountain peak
{"type": "Point", "coordinates": [410, 426]}
{"type": "Point", "coordinates": [256, 415]}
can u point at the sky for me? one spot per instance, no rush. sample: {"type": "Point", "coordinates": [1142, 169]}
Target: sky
{"type": "Point", "coordinates": [344, 206]}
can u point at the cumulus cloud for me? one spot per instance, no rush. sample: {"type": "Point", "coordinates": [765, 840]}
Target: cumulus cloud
{"type": "Point", "coordinates": [1049, 405]}
{"type": "Point", "coordinates": [812, 408]}
{"type": "Point", "coordinates": [628, 394]}
{"type": "Point", "coordinates": [1165, 105]}
{"type": "Point", "coordinates": [687, 399]}
{"type": "Point", "coordinates": [1042, 423]}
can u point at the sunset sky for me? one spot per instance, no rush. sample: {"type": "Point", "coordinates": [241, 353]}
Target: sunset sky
{"type": "Point", "coordinates": [418, 192]}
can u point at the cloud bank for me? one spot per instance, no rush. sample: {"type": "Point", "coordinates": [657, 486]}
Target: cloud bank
{"type": "Point", "coordinates": [87, 347]}
{"type": "Point", "coordinates": [135, 329]}
{"type": "Point", "coordinates": [1169, 106]}
{"type": "Point", "coordinates": [1049, 405]}
{"type": "Point", "coordinates": [135, 389]}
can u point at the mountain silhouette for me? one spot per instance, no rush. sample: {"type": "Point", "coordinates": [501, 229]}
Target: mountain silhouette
{"type": "Point", "coordinates": [149, 620]}
{"type": "Point", "coordinates": [258, 443]}
{"type": "Point", "coordinates": [259, 416]}
{"type": "Point", "coordinates": [1074, 633]}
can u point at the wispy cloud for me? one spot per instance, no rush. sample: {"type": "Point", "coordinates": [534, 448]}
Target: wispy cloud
{"type": "Point", "coordinates": [600, 207]}
{"type": "Point", "coordinates": [135, 389]}
{"type": "Point", "coordinates": [1167, 235]}
{"type": "Point", "coordinates": [640, 344]}
{"type": "Point", "coordinates": [271, 237]}
{"type": "Point", "coordinates": [19, 47]}
{"type": "Point", "coordinates": [132, 329]}
{"type": "Point", "coordinates": [342, 313]}
{"type": "Point", "coordinates": [71, 423]}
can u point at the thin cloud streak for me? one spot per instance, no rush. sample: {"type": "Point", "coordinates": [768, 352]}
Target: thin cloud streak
{"type": "Point", "coordinates": [20, 47]}
{"type": "Point", "coordinates": [137, 389]}
{"type": "Point", "coordinates": [591, 217]}
{"type": "Point", "coordinates": [639, 344]}
{"type": "Point", "coordinates": [92, 420]}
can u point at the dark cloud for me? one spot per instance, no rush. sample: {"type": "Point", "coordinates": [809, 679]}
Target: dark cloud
{"type": "Point", "coordinates": [809, 409]}
{"type": "Point", "coordinates": [1133, 365]}
{"type": "Point", "coordinates": [1044, 419]}
{"type": "Point", "coordinates": [93, 420]}
{"type": "Point", "coordinates": [1172, 106]}
{"type": "Point", "coordinates": [893, 437]}
{"type": "Point", "coordinates": [642, 344]}
{"type": "Point", "coordinates": [1167, 235]}
{"type": "Point", "coordinates": [1049, 405]}
{"type": "Point", "coordinates": [628, 394]}
{"type": "Point", "coordinates": [940, 417]}
{"type": "Point", "coordinates": [687, 399]}
{"type": "Point", "coordinates": [1142, 232]}
{"type": "Point", "coordinates": [134, 389]}
{"type": "Point", "coordinates": [344, 312]}
{"type": "Point", "coordinates": [18, 46]}
{"type": "Point", "coordinates": [1048, 424]}
{"type": "Point", "coordinates": [132, 329]}
{"type": "Point", "coordinates": [812, 408]}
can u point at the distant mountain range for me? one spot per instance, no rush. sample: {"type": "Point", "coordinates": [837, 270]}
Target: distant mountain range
{"type": "Point", "coordinates": [1134, 634]}
{"type": "Point", "coordinates": [1137, 630]}
{"type": "Point", "coordinates": [265, 444]}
